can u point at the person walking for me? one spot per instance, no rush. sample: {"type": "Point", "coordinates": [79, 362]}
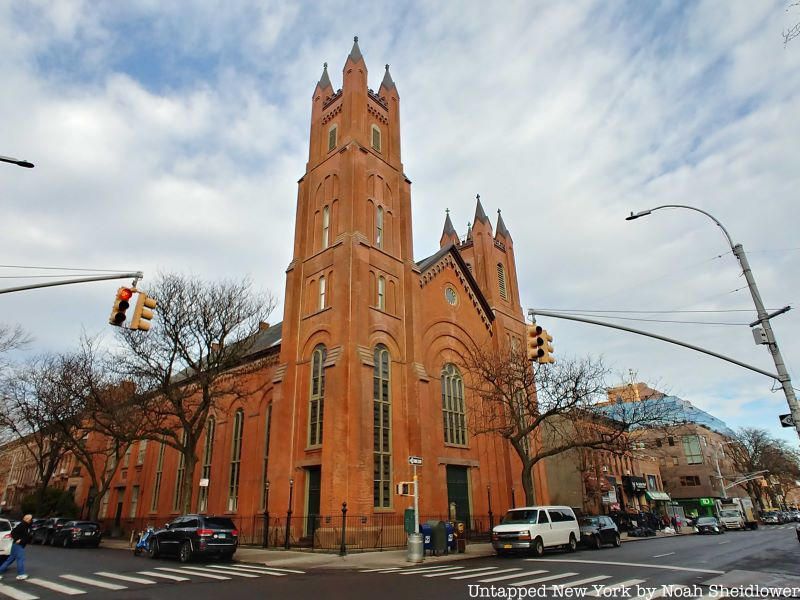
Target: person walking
{"type": "Point", "coordinates": [21, 535]}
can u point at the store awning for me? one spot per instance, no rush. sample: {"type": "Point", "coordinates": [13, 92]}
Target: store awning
{"type": "Point", "coordinates": [657, 495]}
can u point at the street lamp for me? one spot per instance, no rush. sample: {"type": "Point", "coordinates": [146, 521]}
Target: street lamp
{"type": "Point", "coordinates": [266, 513]}
{"type": "Point", "coordinates": [763, 317]}
{"type": "Point", "coordinates": [17, 161]}
{"type": "Point", "coordinates": [289, 513]}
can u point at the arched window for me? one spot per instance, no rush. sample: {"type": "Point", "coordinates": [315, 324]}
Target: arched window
{"type": "Point", "coordinates": [322, 290]}
{"type": "Point", "coordinates": [382, 293]}
{"type": "Point", "coordinates": [382, 429]}
{"type": "Point", "coordinates": [157, 483]}
{"type": "Point", "coordinates": [453, 411]}
{"type": "Point", "coordinates": [208, 454]}
{"type": "Point", "coordinates": [316, 401]}
{"type": "Point", "coordinates": [379, 228]}
{"type": "Point", "coordinates": [376, 138]}
{"type": "Point", "coordinates": [326, 226]}
{"type": "Point", "coordinates": [236, 461]}
{"type": "Point", "coordinates": [501, 281]}
{"type": "Point", "coordinates": [332, 137]}
{"type": "Point", "coordinates": [264, 480]}
{"type": "Point", "coordinates": [179, 475]}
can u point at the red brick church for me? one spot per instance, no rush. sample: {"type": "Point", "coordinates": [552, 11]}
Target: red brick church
{"type": "Point", "coordinates": [362, 372]}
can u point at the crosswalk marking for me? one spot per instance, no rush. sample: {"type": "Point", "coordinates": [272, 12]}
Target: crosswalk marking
{"type": "Point", "coordinates": [607, 588]}
{"type": "Point", "coordinates": [241, 570]}
{"type": "Point", "coordinates": [185, 572]}
{"type": "Point", "coordinates": [385, 570]}
{"type": "Point", "coordinates": [11, 592]}
{"type": "Point", "coordinates": [94, 582]}
{"type": "Point", "coordinates": [423, 569]}
{"type": "Point", "coordinates": [579, 582]}
{"type": "Point", "coordinates": [442, 570]}
{"type": "Point", "coordinates": [623, 564]}
{"type": "Point", "coordinates": [484, 569]}
{"type": "Point", "coordinates": [544, 579]}
{"type": "Point", "coordinates": [516, 575]}
{"type": "Point", "coordinates": [266, 566]}
{"type": "Point", "coordinates": [56, 587]}
{"type": "Point", "coordinates": [164, 576]}
{"type": "Point", "coordinates": [249, 569]}
{"type": "Point", "coordinates": [483, 574]}
{"type": "Point", "coordinates": [227, 572]}
{"type": "Point", "coordinates": [127, 578]}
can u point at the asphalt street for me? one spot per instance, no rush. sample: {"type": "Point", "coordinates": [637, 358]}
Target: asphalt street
{"type": "Point", "coordinates": [640, 566]}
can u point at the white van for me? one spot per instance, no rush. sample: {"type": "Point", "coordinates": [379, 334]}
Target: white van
{"type": "Point", "coordinates": [536, 528]}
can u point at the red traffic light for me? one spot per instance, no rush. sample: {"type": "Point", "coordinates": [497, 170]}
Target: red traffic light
{"type": "Point", "coordinates": [124, 293]}
{"type": "Point", "coordinates": [121, 304]}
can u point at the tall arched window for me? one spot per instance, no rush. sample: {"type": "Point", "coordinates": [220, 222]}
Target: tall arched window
{"type": "Point", "coordinates": [157, 483]}
{"type": "Point", "coordinates": [453, 411]}
{"type": "Point", "coordinates": [316, 400]}
{"type": "Point", "coordinates": [326, 226]}
{"type": "Point", "coordinates": [382, 429]}
{"type": "Point", "coordinates": [179, 475]}
{"type": "Point", "coordinates": [501, 281]}
{"type": "Point", "coordinates": [379, 228]}
{"type": "Point", "coordinates": [264, 480]}
{"type": "Point", "coordinates": [236, 461]}
{"type": "Point", "coordinates": [382, 293]}
{"type": "Point", "coordinates": [322, 291]}
{"type": "Point", "coordinates": [208, 454]}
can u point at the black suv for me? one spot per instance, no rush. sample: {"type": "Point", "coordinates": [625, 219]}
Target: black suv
{"type": "Point", "coordinates": [45, 532]}
{"type": "Point", "coordinates": [78, 533]}
{"type": "Point", "coordinates": [195, 535]}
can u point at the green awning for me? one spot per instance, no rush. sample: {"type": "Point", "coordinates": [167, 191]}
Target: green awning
{"type": "Point", "coordinates": [657, 495]}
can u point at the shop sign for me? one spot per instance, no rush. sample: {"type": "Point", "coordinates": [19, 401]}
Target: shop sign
{"type": "Point", "coordinates": [706, 502]}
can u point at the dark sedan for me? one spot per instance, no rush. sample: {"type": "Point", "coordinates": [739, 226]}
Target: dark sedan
{"type": "Point", "coordinates": [709, 525]}
{"type": "Point", "coordinates": [78, 533]}
{"type": "Point", "coordinates": [599, 530]}
{"type": "Point", "coordinates": [45, 532]}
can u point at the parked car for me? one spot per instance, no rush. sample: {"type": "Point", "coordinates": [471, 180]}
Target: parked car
{"type": "Point", "coordinates": [599, 530]}
{"type": "Point", "coordinates": [797, 531]}
{"type": "Point", "coordinates": [45, 532]}
{"type": "Point", "coordinates": [188, 536]}
{"type": "Point", "coordinates": [5, 537]}
{"type": "Point", "coordinates": [709, 525]}
{"type": "Point", "coordinates": [536, 528]}
{"type": "Point", "coordinates": [78, 533]}
{"type": "Point", "coordinates": [771, 517]}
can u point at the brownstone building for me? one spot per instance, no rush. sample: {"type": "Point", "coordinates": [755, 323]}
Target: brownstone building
{"type": "Point", "coordinates": [362, 372]}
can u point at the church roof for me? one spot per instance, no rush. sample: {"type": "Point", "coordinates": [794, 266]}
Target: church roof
{"type": "Point", "coordinates": [355, 52]}
{"type": "Point", "coordinates": [480, 215]}
{"type": "Point", "coordinates": [448, 226]}
{"type": "Point", "coordinates": [388, 82]}
{"type": "Point", "coordinates": [501, 226]}
{"type": "Point", "coordinates": [427, 263]}
{"type": "Point", "coordinates": [324, 80]}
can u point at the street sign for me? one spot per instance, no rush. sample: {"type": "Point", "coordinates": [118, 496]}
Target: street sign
{"type": "Point", "coordinates": [415, 460]}
{"type": "Point", "coordinates": [786, 420]}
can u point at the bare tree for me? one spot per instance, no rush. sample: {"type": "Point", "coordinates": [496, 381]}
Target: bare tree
{"type": "Point", "coordinates": [194, 360]}
{"type": "Point", "coordinates": [553, 408]}
{"type": "Point", "coordinates": [11, 338]}
{"type": "Point", "coordinates": [793, 31]}
{"type": "Point", "coordinates": [28, 402]}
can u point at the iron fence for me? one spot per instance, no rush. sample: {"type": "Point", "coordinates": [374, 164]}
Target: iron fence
{"type": "Point", "coordinates": [328, 533]}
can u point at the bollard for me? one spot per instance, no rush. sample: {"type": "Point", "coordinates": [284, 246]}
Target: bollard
{"type": "Point", "coordinates": [343, 547]}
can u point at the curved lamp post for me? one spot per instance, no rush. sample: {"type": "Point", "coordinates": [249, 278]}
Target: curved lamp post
{"type": "Point", "coordinates": [763, 317]}
{"type": "Point", "coordinates": [17, 161]}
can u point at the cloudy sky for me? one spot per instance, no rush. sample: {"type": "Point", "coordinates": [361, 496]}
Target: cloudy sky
{"type": "Point", "coordinates": [170, 137]}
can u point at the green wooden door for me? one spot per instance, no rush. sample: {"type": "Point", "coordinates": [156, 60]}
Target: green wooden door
{"type": "Point", "coordinates": [458, 492]}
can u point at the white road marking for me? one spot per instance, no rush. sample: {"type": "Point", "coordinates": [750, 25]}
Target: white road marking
{"type": "Point", "coordinates": [504, 577]}
{"type": "Point", "coordinates": [423, 569]}
{"type": "Point", "coordinates": [266, 566]}
{"type": "Point", "coordinates": [448, 570]}
{"type": "Point", "coordinates": [726, 542]}
{"type": "Point", "coordinates": [249, 569]}
{"type": "Point", "coordinates": [604, 591]}
{"type": "Point", "coordinates": [228, 572]}
{"type": "Point", "coordinates": [185, 572]}
{"type": "Point", "coordinates": [127, 578]}
{"type": "Point", "coordinates": [164, 576]}
{"type": "Point", "coordinates": [543, 579]}
{"type": "Point", "coordinates": [56, 587]}
{"type": "Point", "coordinates": [624, 564]}
{"type": "Point", "coordinates": [660, 555]}
{"type": "Point", "coordinates": [7, 590]}
{"type": "Point", "coordinates": [240, 570]}
{"type": "Point", "coordinates": [94, 582]}
{"type": "Point", "coordinates": [483, 574]}
{"type": "Point", "coordinates": [484, 569]}
{"type": "Point", "coordinates": [386, 570]}
{"type": "Point", "coordinates": [580, 582]}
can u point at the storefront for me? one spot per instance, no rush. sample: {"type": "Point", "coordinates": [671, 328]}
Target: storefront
{"type": "Point", "coordinates": [636, 487]}
{"type": "Point", "coordinates": [659, 502]}
{"type": "Point", "coordinates": [698, 507]}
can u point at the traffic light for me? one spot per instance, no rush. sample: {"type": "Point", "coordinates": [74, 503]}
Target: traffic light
{"type": "Point", "coordinates": [121, 304]}
{"type": "Point", "coordinates": [547, 347]}
{"type": "Point", "coordinates": [534, 342]}
{"type": "Point", "coordinates": [143, 312]}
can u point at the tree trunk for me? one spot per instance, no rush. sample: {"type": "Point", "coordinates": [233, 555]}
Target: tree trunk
{"type": "Point", "coordinates": [190, 462]}
{"type": "Point", "coordinates": [527, 484]}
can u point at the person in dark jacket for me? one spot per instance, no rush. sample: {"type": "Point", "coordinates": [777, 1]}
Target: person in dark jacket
{"type": "Point", "coordinates": [21, 534]}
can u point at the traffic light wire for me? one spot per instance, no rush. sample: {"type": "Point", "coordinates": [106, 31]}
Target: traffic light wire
{"type": "Point", "coordinates": [61, 268]}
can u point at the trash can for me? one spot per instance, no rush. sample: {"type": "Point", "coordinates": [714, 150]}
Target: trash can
{"type": "Point", "coordinates": [460, 534]}
{"type": "Point", "coordinates": [438, 538]}
{"type": "Point", "coordinates": [450, 530]}
{"type": "Point", "coordinates": [427, 536]}
{"type": "Point", "coordinates": [415, 548]}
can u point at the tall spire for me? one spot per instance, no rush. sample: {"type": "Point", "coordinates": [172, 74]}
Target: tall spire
{"type": "Point", "coordinates": [355, 52]}
{"type": "Point", "coordinates": [501, 226]}
{"type": "Point", "coordinates": [480, 215]}
{"type": "Point", "coordinates": [324, 80]}
{"type": "Point", "coordinates": [449, 233]}
{"type": "Point", "coordinates": [387, 82]}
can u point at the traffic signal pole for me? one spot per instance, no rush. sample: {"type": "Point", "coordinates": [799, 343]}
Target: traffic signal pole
{"type": "Point", "coordinates": [136, 276]}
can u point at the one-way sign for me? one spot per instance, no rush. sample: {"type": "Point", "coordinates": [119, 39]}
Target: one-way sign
{"type": "Point", "coordinates": [786, 420]}
{"type": "Point", "coordinates": [415, 460]}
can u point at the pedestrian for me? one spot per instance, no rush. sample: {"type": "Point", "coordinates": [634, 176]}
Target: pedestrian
{"type": "Point", "coordinates": [21, 535]}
